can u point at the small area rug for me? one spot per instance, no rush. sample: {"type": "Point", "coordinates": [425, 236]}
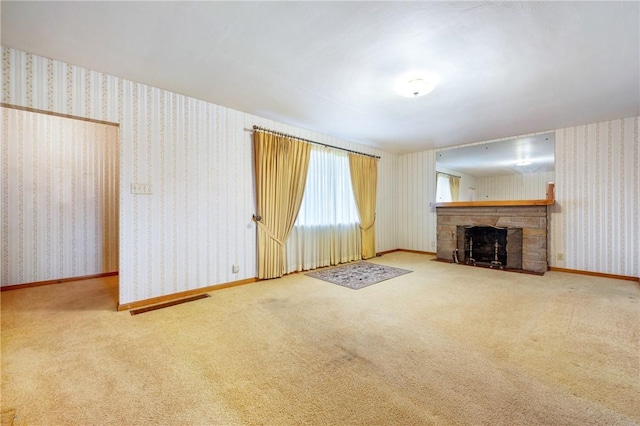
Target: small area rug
{"type": "Point", "coordinates": [358, 275]}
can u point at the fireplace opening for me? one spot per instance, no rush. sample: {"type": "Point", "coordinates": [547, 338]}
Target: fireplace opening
{"type": "Point", "coordinates": [483, 245]}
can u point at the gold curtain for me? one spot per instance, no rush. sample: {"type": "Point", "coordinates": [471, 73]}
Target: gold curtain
{"type": "Point", "coordinates": [281, 166]}
{"type": "Point", "coordinates": [454, 187]}
{"type": "Point", "coordinates": [364, 179]}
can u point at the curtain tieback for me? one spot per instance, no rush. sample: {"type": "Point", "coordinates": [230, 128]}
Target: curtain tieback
{"type": "Point", "coordinates": [368, 227]}
{"type": "Point", "coordinates": [269, 233]}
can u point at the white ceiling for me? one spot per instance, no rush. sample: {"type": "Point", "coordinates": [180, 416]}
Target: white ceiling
{"type": "Point", "coordinates": [504, 68]}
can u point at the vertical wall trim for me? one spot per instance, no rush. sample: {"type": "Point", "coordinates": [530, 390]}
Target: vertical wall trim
{"type": "Point", "coordinates": [5, 199]}
{"type": "Point", "coordinates": [636, 196]}
{"type": "Point", "coordinates": [625, 200]}
{"type": "Point", "coordinates": [151, 264]}
{"type": "Point", "coordinates": [162, 191]}
{"type": "Point", "coordinates": [21, 144]}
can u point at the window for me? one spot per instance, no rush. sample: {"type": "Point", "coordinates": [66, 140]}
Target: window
{"type": "Point", "coordinates": [328, 196]}
{"type": "Point", "coordinates": [327, 230]}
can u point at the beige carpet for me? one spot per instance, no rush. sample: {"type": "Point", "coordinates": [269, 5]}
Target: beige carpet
{"type": "Point", "coordinates": [7, 417]}
{"type": "Point", "coordinates": [446, 344]}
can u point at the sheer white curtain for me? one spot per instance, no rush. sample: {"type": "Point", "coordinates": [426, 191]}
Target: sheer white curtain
{"type": "Point", "coordinates": [326, 231]}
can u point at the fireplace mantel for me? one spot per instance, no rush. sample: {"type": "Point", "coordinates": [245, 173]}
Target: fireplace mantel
{"type": "Point", "coordinates": [549, 201]}
{"type": "Point", "coordinates": [494, 203]}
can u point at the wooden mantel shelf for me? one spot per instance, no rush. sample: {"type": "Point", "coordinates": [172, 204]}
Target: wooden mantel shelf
{"type": "Point", "coordinates": [495, 203]}
{"type": "Point", "coordinates": [546, 202]}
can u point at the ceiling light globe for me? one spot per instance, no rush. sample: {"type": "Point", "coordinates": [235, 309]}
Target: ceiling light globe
{"type": "Point", "coordinates": [415, 87]}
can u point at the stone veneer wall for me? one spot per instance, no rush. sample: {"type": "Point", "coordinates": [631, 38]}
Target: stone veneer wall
{"type": "Point", "coordinates": [532, 220]}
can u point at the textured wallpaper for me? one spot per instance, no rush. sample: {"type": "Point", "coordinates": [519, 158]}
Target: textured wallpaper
{"type": "Point", "coordinates": [60, 197]}
{"type": "Point", "coordinates": [595, 222]}
{"type": "Point", "coordinates": [417, 189]}
{"type": "Point", "coordinates": [198, 158]}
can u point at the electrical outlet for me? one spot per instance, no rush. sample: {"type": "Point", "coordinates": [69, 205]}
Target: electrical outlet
{"type": "Point", "coordinates": [235, 269]}
{"type": "Point", "coordinates": [141, 188]}
{"type": "Point", "coordinates": [560, 256]}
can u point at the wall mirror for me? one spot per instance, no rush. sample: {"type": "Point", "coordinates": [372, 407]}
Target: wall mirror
{"type": "Point", "coordinates": [510, 169]}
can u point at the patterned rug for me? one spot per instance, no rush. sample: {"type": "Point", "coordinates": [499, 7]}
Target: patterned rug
{"type": "Point", "coordinates": [358, 275]}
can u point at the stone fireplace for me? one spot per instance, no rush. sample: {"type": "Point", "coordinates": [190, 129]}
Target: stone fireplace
{"type": "Point", "coordinates": [518, 232]}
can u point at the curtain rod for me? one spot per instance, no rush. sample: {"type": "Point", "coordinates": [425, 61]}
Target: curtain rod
{"type": "Point", "coordinates": [449, 174]}
{"type": "Point", "coordinates": [313, 142]}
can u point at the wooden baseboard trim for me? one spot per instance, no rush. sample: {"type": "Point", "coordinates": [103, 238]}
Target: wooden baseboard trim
{"type": "Point", "coordinates": [551, 268]}
{"type": "Point", "coordinates": [58, 281]}
{"type": "Point", "coordinates": [430, 253]}
{"type": "Point", "coordinates": [183, 294]}
{"type": "Point", "coordinates": [595, 274]}
{"type": "Point", "coordinates": [381, 253]}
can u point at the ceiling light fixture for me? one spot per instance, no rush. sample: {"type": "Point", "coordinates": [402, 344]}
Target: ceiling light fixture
{"type": "Point", "coordinates": [416, 86]}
